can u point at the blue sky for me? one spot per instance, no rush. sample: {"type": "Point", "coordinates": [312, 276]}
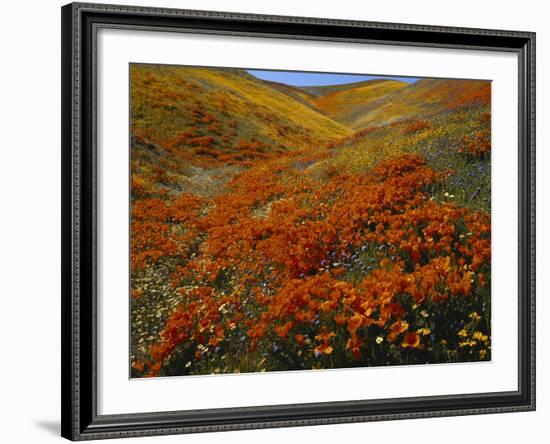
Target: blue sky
{"type": "Point", "coordinates": [297, 78]}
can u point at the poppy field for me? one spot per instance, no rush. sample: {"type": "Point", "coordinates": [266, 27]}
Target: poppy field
{"type": "Point", "coordinates": [278, 227]}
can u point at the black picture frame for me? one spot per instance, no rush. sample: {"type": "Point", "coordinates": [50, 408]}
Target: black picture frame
{"type": "Point", "coordinates": [80, 420]}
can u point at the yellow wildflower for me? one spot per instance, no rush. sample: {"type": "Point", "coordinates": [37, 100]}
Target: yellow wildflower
{"type": "Point", "coordinates": [474, 316]}
{"type": "Point", "coordinates": [480, 336]}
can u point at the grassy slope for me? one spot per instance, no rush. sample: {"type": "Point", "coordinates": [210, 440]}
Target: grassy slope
{"type": "Point", "coordinates": [447, 110]}
{"type": "Point", "coordinates": [378, 102]}
{"type": "Point", "coordinates": [348, 106]}
{"type": "Point", "coordinates": [168, 99]}
{"type": "Point", "coordinates": [296, 92]}
{"type": "Point", "coordinates": [423, 98]}
{"type": "Point", "coordinates": [439, 140]}
{"type": "Point", "coordinates": [319, 91]}
{"type": "Point", "coordinates": [184, 119]}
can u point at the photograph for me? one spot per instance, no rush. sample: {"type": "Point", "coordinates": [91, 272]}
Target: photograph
{"type": "Point", "coordinates": [274, 222]}
{"type": "Point", "coordinates": [293, 220]}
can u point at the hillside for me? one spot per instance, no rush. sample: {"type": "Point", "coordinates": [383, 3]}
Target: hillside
{"type": "Point", "coordinates": [267, 235]}
{"type": "Point", "coordinates": [377, 102]}
{"type": "Point", "coordinates": [350, 105]}
{"type": "Point", "coordinates": [423, 98]}
{"type": "Point", "coordinates": [302, 95]}
{"type": "Point", "coordinates": [319, 91]}
{"type": "Point", "coordinates": [208, 101]}
{"type": "Point", "coordinates": [204, 117]}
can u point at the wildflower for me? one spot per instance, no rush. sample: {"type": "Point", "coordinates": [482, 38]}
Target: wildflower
{"type": "Point", "coordinates": [480, 336]}
{"type": "Point", "coordinates": [411, 340]}
{"type": "Point", "coordinates": [354, 344]}
{"type": "Point", "coordinates": [299, 339]}
{"type": "Point", "coordinates": [355, 322]}
{"type": "Point", "coordinates": [340, 319]}
{"type": "Point", "coordinates": [283, 330]}
{"type": "Point", "coordinates": [324, 336]}
{"type": "Point", "coordinates": [323, 349]}
{"type": "Point", "coordinates": [397, 328]}
{"type": "Point", "coordinates": [138, 365]}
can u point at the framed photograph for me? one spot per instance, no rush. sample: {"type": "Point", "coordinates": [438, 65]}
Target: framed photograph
{"type": "Point", "coordinates": [280, 221]}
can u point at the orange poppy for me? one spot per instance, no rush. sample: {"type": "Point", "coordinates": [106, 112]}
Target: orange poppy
{"type": "Point", "coordinates": [324, 349]}
{"type": "Point", "coordinates": [300, 339]}
{"type": "Point", "coordinates": [411, 340]}
{"type": "Point", "coordinates": [354, 322]}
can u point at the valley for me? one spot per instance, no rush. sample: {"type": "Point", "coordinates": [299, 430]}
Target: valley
{"type": "Point", "coordinates": [278, 227]}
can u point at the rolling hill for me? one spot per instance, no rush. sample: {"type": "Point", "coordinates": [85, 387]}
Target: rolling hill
{"type": "Point", "coordinates": [349, 105]}
{"type": "Point", "coordinates": [423, 98]}
{"type": "Point", "coordinates": [319, 91]}
{"type": "Point", "coordinates": [382, 101]}
{"type": "Point", "coordinates": [186, 123]}
{"type": "Point", "coordinates": [300, 94]}
{"type": "Point", "coordinates": [194, 129]}
{"type": "Point", "coordinates": [167, 102]}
